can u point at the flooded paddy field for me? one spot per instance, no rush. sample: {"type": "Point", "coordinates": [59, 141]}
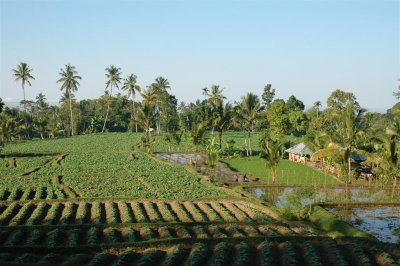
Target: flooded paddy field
{"type": "Point", "coordinates": [363, 212]}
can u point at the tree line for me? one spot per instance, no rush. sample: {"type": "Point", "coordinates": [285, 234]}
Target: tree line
{"type": "Point", "coordinates": [335, 132]}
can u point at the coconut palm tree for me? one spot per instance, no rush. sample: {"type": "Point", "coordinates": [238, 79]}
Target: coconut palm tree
{"type": "Point", "coordinates": [387, 157]}
{"type": "Point", "coordinates": [271, 154]}
{"type": "Point", "coordinates": [131, 86]}
{"type": "Point", "coordinates": [352, 125]}
{"type": "Point", "coordinates": [333, 154]}
{"type": "Point", "coordinates": [161, 85]}
{"type": "Point", "coordinates": [113, 75]}
{"type": "Point", "coordinates": [69, 79]}
{"type": "Point", "coordinates": [216, 100]}
{"type": "Point", "coordinates": [340, 144]}
{"type": "Point", "coordinates": [317, 106]}
{"type": "Point", "coordinates": [149, 99]}
{"type": "Point", "coordinates": [41, 101]}
{"type": "Point", "coordinates": [23, 73]}
{"type": "Point", "coordinates": [197, 134]}
{"type": "Point", "coordinates": [247, 111]}
{"type": "Point", "coordinates": [224, 121]}
{"type": "Point", "coordinates": [215, 96]}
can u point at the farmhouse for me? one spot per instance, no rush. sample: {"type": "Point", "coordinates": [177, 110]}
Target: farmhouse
{"type": "Point", "coordinates": [299, 153]}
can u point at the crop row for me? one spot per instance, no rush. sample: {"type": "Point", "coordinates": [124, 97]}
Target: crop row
{"type": "Point", "coordinates": [36, 194]}
{"type": "Point", "coordinates": [13, 166]}
{"type": "Point", "coordinates": [117, 212]}
{"type": "Point", "coordinates": [222, 253]}
{"type": "Point", "coordinates": [110, 173]}
{"type": "Point", "coordinates": [93, 236]}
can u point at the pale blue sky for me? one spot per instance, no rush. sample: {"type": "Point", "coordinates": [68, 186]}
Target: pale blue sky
{"type": "Point", "coordinates": [305, 48]}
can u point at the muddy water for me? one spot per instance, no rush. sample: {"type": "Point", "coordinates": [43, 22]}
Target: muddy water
{"type": "Point", "coordinates": [381, 221]}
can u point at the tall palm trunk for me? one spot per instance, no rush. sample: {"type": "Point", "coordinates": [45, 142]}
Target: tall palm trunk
{"type": "Point", "coordinates": [23, 91]}
{"type": "Point", "coordinates": [220, 139]}
{"type": "Point", "coordinates": [134, 114]}
{"type": "Point", "coordinates": [349, 163]}
{"type": "Point", "coordinates": [70, 110]}
{"type": "Point", "coordinates": [394, 186]}
{"type": "Point", "coordinates": [158, 123]}
{"type": "Point", "coordinates": [25, 116]}
{"type": "Point", "coordinates": [273, 173]}
{"type": "Point", "coordinates": [108, 108]}
{"type": "Point", "coordinates": [250, 152]}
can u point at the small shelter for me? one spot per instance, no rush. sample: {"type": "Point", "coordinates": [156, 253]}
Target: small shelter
{"type": "Point", "coordinates": [299, 153]}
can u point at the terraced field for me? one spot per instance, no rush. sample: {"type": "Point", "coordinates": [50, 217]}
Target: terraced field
{"type": "Point", "coordinates": [304, 252]}
{"type": "Point", "coordinates": [144, 232]}
{"type": "Point", "coordinates": [79, 201]}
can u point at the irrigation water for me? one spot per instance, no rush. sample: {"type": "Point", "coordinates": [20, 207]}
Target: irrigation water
{"type": "Point", "coordinates": [381, 221]}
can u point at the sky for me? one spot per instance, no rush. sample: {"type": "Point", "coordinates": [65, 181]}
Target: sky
{"type": "Point", "coordinates": [303, 48]}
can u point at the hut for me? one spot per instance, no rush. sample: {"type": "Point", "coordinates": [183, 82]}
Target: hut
{"type": "Point", "coordinates": [299, 153]}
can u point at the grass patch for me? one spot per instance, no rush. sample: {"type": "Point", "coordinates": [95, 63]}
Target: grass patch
{"type": "Point", "coordinates": [289, 173]}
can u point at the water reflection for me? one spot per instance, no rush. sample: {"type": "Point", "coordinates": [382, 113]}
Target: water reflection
{"type": "Point", "coordinates": [381, 221]}
{"type": "Point", "coordinates": [276, 195]}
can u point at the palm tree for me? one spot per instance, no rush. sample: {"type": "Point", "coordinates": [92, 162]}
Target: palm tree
{"type": "Point", "coordinates": [317, 106]}
{"type": "Point", "coordinates": [197, 134]}
{"type": "Point", "coordinates": [388, 155]}
{"type": "Point", "coordinates": [131, 86]}
{"type": "Point", "coordinates": [333, 154]}
{"type": "Point", "coordinates": [353, 124]}
{"type": "Point", "coordinates": [149, 99]}
{"type": "Point", "coordinates": [247, 111]}
{"type": "Point", "coordinates": [342, 142]}
{"type": "Point", "coordinates": [216, 100]}
{"type": "Point", "coordinates": [160, 87]}
{"type": "Point", "coordinates": [224, 123]}
{"type": "Point", "coordinates": [41, 101]}
{"type": "Point", "coordinates": [387, 158]}
{"type": "Point", "coordinates": [215, 96]}
{"type": "Point", "coordinates": [212, 150]}
{"type": "Point", "coordinates": [271, 154]}
{"type": "Point", "coordinates": [113, 75]}
{"type": "Point", "coordinates": [69, 79]}
{"type": "Point", "coordinates": [23, 73]}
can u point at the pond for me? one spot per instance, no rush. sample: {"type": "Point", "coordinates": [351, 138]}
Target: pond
{"type": "Point", "coordinates": [381, 221]}
{"type": "Point", "coordinates": [182, 158]}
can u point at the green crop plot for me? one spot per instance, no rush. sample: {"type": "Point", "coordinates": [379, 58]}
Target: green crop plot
{"type": "Point", "coordinates": [289, 173]}
{"type": "Point", "coordinates": [97, 166]}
